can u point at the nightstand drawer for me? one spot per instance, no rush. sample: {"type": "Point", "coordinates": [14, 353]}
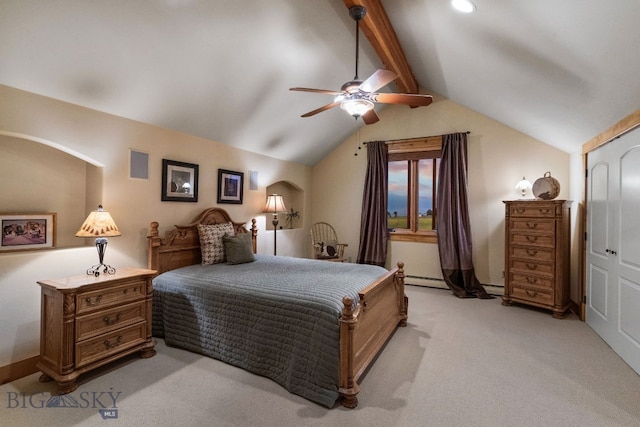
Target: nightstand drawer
{"type": "Point", "coordinates": [115, 342]}
{"type": "Point", "coordinates": [105, 321]}
{"type": "Point", "coordinates": [129, 291]}
{"type": "Point", "coordinates": [533, 295]}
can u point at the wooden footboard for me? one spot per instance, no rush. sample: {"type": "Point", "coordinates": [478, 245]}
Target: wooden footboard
{"type": "Point", "coordinates": [365, 329]}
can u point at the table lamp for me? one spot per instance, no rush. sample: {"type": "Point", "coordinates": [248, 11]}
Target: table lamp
{"type": "Point", "coordinates": [523, 186]}
{"type": "Point", "coordinates": [100, 225]}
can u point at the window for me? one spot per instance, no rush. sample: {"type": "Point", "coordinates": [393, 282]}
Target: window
{"type": "Point", "coordinates": [412, 181]}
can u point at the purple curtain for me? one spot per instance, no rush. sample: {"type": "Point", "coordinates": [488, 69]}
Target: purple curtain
{"type": "Point", "coordinates": [452, 220]}
{"type": "Point", "coordinates": [373, 224]}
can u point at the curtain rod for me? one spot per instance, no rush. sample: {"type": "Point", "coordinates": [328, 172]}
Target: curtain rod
{"type": "Point", "coordinates": [419, 137]}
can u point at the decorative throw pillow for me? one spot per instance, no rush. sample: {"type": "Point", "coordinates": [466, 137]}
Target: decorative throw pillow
{"type": "Point", "coordinates": [238, 249]}
{"type": "Point", "coordinates": [211, 245]}
{"type": "Point", "coordinates": [331, 249]}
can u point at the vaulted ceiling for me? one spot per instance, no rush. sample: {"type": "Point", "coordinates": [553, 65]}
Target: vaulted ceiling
{"type": "Point", "coordinates": [559, 71]}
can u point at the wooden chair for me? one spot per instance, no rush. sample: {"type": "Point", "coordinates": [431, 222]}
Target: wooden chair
{"type": "Point", "coordinates": [324, 243]}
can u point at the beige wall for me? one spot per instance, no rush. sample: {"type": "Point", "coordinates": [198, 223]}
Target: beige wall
{"type": "Point", "coordinates": [498, 158]}
{"type": "Point", "coordinates": [105, 140]}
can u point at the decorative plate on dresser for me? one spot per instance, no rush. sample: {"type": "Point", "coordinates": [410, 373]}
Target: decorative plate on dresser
{"type": "Point", "coordinates": [537, 253]}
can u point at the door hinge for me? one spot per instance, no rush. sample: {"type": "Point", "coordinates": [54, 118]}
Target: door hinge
{"type": "Point", "coordinates": [586, 173]}
{"type": "Point", "coordinates": [585, 236]}
{"type": "Point", "coordinates": [584, 299]}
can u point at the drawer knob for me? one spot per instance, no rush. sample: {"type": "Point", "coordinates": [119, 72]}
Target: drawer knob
{"type": "Point", "coordinates": [532, 226]}
{"type": "Point", "coordinates": [531, 252]}
{"type": "Point", "coordinates": [520, 210]}
{"type": "Point", "coordinates": [532, 280]}
{"type": "Point", "coordinates": [112, 345]}
{"type": "Point", "coordinates": [111, 321]}
{"type": "Point", "coordinates": [545, 211]}
{"type": "Point", "coordinates": [531, 293]}
{"type": "Point", "coordinates": [532, 238]}
{"type": "Point", "coordinates": [95, 302]}
{"type": "Point", "coordinates": [532, 266]}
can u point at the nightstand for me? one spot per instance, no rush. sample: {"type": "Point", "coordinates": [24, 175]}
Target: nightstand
{"type": "Point", "coordinates": [89, 321]}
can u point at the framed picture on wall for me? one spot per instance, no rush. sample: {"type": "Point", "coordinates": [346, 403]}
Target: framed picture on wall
{"type": "Point", "coordinates": [179, 181]}
{"type": "Point", "coordinates": [230, 185]}
{"type": "Point", "coordinates": [28, 231]}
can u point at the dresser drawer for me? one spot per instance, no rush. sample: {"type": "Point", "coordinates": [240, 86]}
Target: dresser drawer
{"type": "Point", "coordinates": [128, 291]}
{"type": "Point", "coordinates": [533, 225]}
{"type": "Point", "coordinates": [532, 295]}
{"type": "Point", "coordinates": [533, 254]}
{"type": "Point", "coordinates": [102, 346]}
{"type": "Point", "coordinates": [547, 241]}
{"type": "Point", "coordinates": [532, 267]}
{"type": "Point", "coordinates": [532, 210]}
{"type": "Point", "coordinates": [105, 321]}
{"type": "Point", "coordinates": [532, 281]}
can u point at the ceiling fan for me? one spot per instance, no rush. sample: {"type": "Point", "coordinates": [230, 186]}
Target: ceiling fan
{"type": "Point", "coordinates": [357, 97]}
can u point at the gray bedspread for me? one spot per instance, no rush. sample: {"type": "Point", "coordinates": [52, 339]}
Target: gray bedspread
{"type": "Point", "coordinates": [276, 317]}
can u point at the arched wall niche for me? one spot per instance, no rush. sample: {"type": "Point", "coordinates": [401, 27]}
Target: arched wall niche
{"type": "Point", "coordinates": [39, 177]}
{"type": "Point", "coordinates": [293, 197]}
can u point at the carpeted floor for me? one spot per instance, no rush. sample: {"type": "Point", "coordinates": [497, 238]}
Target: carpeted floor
{"type": "Point", "coordinates": [458, 363]}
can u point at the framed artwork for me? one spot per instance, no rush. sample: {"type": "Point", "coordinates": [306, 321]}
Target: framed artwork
{"type": "Point", "coordinates": [230, 186]}
{"type": "Point", "coordinates": [28, 231]}
{"type": "Point", "coordinates": [179, 181]}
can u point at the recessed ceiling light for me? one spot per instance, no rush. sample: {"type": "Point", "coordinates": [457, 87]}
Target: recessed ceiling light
{"type": "Point", "coordinates": [465, 6]}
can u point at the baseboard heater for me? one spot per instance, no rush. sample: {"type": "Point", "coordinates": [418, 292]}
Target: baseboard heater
{"type": "Point", "coordinates": [432, 282]}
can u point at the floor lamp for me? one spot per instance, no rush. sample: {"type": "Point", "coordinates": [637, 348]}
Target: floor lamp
{"type": "Point", "coordinates": [274, 205]}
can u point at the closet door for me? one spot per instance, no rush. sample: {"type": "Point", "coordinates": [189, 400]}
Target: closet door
{"type": "Point", "coordinates": [613, 247]}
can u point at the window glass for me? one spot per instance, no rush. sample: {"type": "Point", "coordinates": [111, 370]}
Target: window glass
{"type": "Point", "coordinates": [426, 169]}
{"type": "Point", "coordinates": [398, 196]}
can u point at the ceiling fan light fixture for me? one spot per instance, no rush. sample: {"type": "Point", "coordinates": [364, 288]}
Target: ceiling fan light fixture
{"type": "Point", "coordinates": [465, 6]}
{"type": "Point", "coordinates": [356, 107]}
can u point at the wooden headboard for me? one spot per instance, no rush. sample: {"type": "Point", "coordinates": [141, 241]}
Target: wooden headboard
{"type": "Point", "coordinates": [181, 247]}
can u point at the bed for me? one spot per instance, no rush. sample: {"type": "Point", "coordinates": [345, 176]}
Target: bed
{"type": "Point", "coordinates": [314, 337]}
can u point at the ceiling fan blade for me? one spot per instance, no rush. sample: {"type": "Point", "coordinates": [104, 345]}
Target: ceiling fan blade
{"type": "Point", "coordinates": [325, 91]}
{"type": "Point", "coordinates": [377, 80]}
{"type": "Point", "coordinates": [370, 117]}
{"type": "Point", "coordinates": [414, 100]}
{"type": "Point", "coordinates": [321, 109]}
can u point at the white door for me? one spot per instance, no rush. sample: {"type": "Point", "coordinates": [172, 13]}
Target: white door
{"type": "Point", "coordinates": [613, 245]}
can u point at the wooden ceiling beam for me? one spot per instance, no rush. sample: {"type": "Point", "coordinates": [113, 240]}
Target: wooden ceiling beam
{"type": "Point", "coordinates": [378, 29]}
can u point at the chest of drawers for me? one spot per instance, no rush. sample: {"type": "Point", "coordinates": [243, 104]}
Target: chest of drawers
{"type": "Point", "coordinates": [89, 321]}
{"type": "Point", "coordinates": [537, 254]}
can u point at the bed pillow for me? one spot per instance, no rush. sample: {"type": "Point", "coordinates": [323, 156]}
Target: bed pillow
{"type": "Point", "coordinates": [331, 249]}
{"type": "Point", "coordinates": [211, 245]}
{"type": "Point", "coordinates": [327, 250]}
{"type": "Point", "coordinates": [238, 249]}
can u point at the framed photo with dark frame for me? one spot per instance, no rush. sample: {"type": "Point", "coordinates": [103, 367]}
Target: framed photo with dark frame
{"type": "Point", "coordinates": [22, 232]}
{"type": "Point", "coordinates": [230, 186]}
{"type": "Point", "coordinates": [179, 181]}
